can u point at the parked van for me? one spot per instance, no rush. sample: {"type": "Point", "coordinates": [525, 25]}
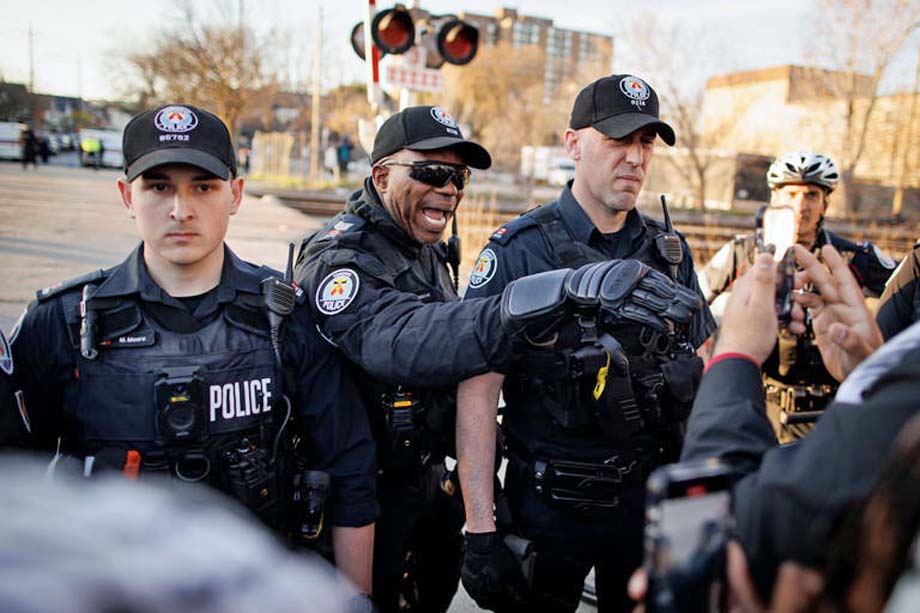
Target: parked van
{"type": "Point", "coordinates": [10, 149]}
{"type": "Point", "coordinates": [111, 141]}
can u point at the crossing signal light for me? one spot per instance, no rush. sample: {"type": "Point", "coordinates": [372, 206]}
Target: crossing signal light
{"type": "Point", "coordinates": [458, 42]}
{"type": "Point", "coordinates": [357, 40]}
{"type": "Point", "coordinates": [393, 30]}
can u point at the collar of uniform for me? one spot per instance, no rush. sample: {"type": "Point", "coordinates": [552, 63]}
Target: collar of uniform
{"type": "Point", "coordinates": [132, 277]}
{"type": "Point", "coordinates": [367, 204]}
{"type": "Point", "coordinates": [237, 276]}
{"type": "Point", "coordinates": [581, 225]}
{"type": "Point", "coordinates": [574, 216]}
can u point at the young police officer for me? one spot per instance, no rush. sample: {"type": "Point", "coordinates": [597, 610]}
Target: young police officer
{"type": "Point", "coordinates": [185, 360]}
{"type": "Point", "coordinates": [794, 377]}
{"type": "Point", "coordinates": [597, 404]}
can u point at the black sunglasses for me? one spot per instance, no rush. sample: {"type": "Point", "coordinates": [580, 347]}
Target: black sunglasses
{"type": "Point", "coordinates": [436, 174]}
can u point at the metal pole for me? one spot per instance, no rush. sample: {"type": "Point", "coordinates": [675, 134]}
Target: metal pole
{"type": "Point", "coordinates": [31, 61]}
{"type": "Point", "coordinates": [372, 57]}
{"type": "Point", "coordinates": [314, 116]}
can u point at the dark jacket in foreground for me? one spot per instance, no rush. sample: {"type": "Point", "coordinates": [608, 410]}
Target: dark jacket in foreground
{"type": "Point", "coordinates": [791, 496]}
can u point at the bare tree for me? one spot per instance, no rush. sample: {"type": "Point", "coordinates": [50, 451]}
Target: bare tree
{"type": "Point", "coordinates": [218, 63]}
{"type": "Point", "coordinates": [860, 40]}
{"type": "Point", "coordinates": [502, 95]}
{"type": "Point", "coordinates": [670, 56]}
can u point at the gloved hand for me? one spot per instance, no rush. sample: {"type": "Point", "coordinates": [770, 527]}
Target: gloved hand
{"type": "Point", "coordinates": [491, 574]}
{"type": "Point", "coordinates": [634, 292]}
{"type": "Point", "coordinates": [626, 290]}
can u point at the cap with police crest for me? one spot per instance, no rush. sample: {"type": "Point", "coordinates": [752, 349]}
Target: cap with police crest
{"type": "Point", "coordinates": [617, 106]}
{"type": "Point", "coordinates": [178, 134]}
{"type": "Point", "coordinates": [424, 128]}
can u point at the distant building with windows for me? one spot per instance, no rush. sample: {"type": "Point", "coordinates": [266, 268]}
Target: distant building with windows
{"type": "Point", "coordinates": [569, 53]}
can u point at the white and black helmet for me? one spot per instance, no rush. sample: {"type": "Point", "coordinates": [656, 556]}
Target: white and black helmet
{"type": "Point", "coordinates": [803, 167]}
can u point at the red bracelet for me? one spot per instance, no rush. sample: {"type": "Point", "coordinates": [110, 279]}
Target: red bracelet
{"type": "Point", "coordinates": [728, 355]}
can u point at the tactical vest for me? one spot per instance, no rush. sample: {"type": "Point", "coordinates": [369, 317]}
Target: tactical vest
{"type": "Point", "coordinates": [629, 382]}
{"type": "Point", "coordinates": [412, 426]}
{"type": "Point", "coordinates": [206, 406]}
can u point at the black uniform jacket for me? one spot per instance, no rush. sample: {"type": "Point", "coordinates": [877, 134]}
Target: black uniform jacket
{"type": "Point", "coordinates": [518, 249]}
{"type": "Point", "coordinates": [356, 276]}
{"type": "Point", "coordinates": [790, 496]}
{"type": "Point", "coordinates": [337, 430]}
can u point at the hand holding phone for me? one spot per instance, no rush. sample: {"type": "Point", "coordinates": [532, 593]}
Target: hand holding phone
{"type": "Point", "coordinates": [688, 524]}
{"type": "Point", "coordinates": [779, 233]}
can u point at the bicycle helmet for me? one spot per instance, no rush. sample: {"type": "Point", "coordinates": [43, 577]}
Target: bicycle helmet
{"type": "Point", "coordinates": [803, 167]}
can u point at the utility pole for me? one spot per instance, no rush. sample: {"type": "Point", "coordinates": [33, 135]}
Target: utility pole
{"type": "Point", "coordinates": [80, 77]}
{"type": "Point", "coordinates": [31, 61]}
{"type": "Point", "coordinates": [317, 79]}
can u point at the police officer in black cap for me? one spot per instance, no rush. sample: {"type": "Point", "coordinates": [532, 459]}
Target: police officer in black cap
{"type": "Point", "coordinates": [366, 273]}
{"type": "Point", "coordinates": [186, 361]}
{"type": "Point", "coordinates": [599, 402]}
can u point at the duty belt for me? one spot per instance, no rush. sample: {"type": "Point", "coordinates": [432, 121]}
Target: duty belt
{"type": "Point", "coordinates": [588, 487]}
{"type": "Point", "coordinates": [799, 404]}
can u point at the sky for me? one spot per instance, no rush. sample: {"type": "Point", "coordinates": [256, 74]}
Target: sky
{"type": "Point", "coordinates": [78, 44]}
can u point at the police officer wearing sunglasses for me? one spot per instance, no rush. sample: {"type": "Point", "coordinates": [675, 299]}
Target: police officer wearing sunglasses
{"type": "Point", "coordinates": [366, 273]}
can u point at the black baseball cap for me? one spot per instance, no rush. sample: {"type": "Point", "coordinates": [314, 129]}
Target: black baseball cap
{"type": "Point", "coordinates": [178, 134]}
{"type": "Point", "coordinates": [423, 128]}
{"type": "Point", "coordinates": [617, 106]}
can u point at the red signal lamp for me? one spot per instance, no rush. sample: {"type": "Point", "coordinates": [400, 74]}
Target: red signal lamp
{"type": "Point", "coordinates": [458, 42]}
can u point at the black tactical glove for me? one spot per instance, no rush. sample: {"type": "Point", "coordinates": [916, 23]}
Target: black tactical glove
{"type": "Point", "coordinates": [491, 575]}
{"type": "Point", "coordinates": [535, 303]}
{"type": "Point", "coordinates": [634, 292]}
{"type": "Point", "coordinates": [626, 290]}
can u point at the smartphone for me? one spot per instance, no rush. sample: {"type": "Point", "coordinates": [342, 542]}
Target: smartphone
{"type": "Point", "coordinates": [688, 524]}
{"type": "Point", "coordinates": [779, 230]}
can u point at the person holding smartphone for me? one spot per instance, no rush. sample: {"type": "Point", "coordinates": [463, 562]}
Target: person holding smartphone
{"type": "Point", "coordinates": [790, 497]}
{"type": "Point", "coordinates": [798, 385]}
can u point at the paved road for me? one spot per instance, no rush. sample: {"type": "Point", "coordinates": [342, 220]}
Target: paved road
{"type": "Point", "coordinates": [60, 221]}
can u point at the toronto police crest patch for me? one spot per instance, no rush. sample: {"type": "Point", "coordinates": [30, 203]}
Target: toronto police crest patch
{"type": "Point", "coordinates": [337, 291]}
{"type": "Point", "coordinates": [176, 118]}
{"type": "Point", "coordinates": [484, 268]}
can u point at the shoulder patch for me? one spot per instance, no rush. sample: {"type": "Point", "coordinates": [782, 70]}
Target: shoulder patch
{"type": "Point", "coordinates": [484, 268]}
{"type": "Point", "coordinates": [504, 233]}
{"type": "Point", "coordinates": [337, 291]}
{"type": "Point", "coordinates": [884, 259]}
{"type": "Point", "coordinates": [54, 290]}
{"type": "Point", "coordinates": [6, 355]}
{"type": "Point", "coordinates": [340, 224]}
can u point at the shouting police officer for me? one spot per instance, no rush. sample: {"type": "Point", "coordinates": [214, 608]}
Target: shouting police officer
{"type": "Point", "coordinates": [592, 407]}
{"type": "Point", "coordinates": [367, 272]}
{"type": "Point", "coordinates": [798, 385]}
{"type": "Point", "coordinates": [185, 360]}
